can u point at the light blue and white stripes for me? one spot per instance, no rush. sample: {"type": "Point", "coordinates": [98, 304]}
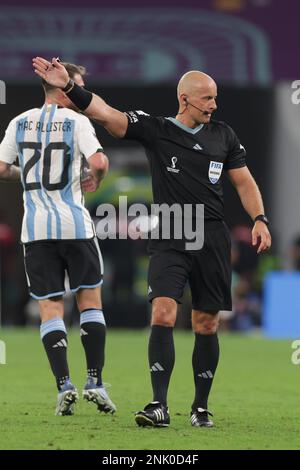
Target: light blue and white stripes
{"type": "Point", "coordinates": [30, 208]}
{"type": "Point", "coordinates": [92, 315]}
{"type": "Point", "coordinates": [55, 324]}
{"type": "Point", "coordinates": [37, 174]}
{"type": "Point", "coordinates": [47, 193]}
{"type": "Point", "coordinates": [67, 193]}
{"type": "Point", "coordinates": [51, 144]}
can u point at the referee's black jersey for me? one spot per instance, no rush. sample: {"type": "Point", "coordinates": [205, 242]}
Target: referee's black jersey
{"type": "Point", "coordinates": [187, 165]}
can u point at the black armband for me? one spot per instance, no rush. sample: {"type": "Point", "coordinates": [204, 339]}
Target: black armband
{"type": "Point", "coordinates": [78, 95]}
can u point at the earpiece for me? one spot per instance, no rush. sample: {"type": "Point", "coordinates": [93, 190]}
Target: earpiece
{"type": "Point", "coordinates": [190, 104]}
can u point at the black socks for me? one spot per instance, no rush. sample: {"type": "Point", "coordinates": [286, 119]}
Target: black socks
{"type": "Point", "coordinates": [93, 332]}
{"type": "Point", "coordinates": [161, 356]}
{"type": "Point", "coordinates": [205, 361]}
{"type": "Point", "coordinates": [54, 337]}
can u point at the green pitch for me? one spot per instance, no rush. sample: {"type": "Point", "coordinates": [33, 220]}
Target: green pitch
{"type": "Point", "coordinates": [255, 398]}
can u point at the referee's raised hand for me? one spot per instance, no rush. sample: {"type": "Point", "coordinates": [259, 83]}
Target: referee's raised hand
{"type": "Point", "coordinates": [261, 235]}
{"type": "Point", "coordinates": [52, 72]}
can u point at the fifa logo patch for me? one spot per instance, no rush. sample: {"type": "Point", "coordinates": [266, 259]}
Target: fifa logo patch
{"type": "Point", "coordinates": [215, 171]}
{"type": "Point", "coordinates": [173, 168]}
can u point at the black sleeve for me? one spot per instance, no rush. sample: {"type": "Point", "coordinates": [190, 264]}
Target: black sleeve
{"type": "Point", "coordinates": [141, 127]}
{"type": "Point", "coordinates": [236, 157]}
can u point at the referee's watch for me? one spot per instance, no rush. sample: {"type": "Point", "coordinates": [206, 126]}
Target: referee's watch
{"type": "Point", "coordinates": [262, 218]}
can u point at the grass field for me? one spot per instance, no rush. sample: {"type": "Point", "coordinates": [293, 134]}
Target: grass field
{"type": "Point", "coordinates": [255, 398]}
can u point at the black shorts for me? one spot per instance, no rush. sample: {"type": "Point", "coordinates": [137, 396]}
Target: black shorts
{"type": "Point", "coordinates": [47, 262]}
{"type": "Point", "coordinates": [208, 272]}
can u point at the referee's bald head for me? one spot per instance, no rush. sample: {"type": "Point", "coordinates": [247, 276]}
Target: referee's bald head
{"type": "Point", "coordinates": [192, 81]}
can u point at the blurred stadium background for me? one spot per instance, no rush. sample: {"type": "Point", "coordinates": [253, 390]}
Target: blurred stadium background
{"type": "Point", "coordinates": [135, 55]}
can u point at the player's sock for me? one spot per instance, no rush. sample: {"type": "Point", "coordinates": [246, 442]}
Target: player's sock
{"type": "Point", "coordinates": [161, 355]}
{"type": "Point", "coordinates": [54, 337]}
{"type": "Point", "coordinates": [93, 332]}
{"type": "Point", "coordinates": [205, 361]}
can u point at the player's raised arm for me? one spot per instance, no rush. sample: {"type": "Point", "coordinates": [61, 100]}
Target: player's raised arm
{"type": "Point", "coordinates": [54, 73]}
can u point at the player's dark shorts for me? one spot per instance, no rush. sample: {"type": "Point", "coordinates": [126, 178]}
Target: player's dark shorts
{"type": "Point", "coordinates": [47, 263]}
{"type": "Point", "coordinates": [208, 271]}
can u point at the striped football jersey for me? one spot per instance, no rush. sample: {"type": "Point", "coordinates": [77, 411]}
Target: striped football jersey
{"type": "Point", "coordinates": [51, 145]}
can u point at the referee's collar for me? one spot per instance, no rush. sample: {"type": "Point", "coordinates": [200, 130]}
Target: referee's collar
{"type": "Point", "coordinates": [184, 127]}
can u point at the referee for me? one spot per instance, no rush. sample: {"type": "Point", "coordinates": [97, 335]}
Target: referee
{"type": "Point", "coordinates": [204, 150]}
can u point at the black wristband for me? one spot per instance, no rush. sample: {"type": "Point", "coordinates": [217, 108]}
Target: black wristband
{"type": "Point", "coordinates": [69, 86]}
{"type": "Point", "coordinates": [78, 95]}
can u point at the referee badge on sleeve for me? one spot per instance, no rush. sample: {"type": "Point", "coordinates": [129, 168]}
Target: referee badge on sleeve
{"type": "Point", "coordinates": [215, 171]}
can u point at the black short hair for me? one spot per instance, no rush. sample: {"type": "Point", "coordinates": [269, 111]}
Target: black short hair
{"type": "Point", "coordinates": [72, 70]}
